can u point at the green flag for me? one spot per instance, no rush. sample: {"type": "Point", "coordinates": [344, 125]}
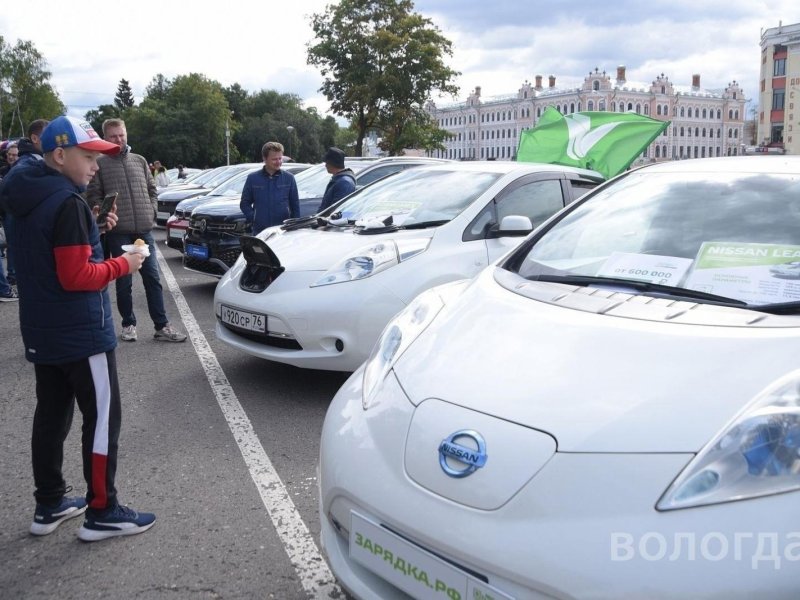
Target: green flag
{"type": "Point", "coordinates": [606, 142]}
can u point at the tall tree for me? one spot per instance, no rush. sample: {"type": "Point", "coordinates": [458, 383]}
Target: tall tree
{"type": "Point", "coordinates": [378, 58]}
{"type": "Point", "coordinates": [124, 97]}
{"type": "Point", "coordinates": [183, 121]}
{"type": "Point", "coordinates": [96, 116]}
{"type": "Point", "coordinates": [25, 90]}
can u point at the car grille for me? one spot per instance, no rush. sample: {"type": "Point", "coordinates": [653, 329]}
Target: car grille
{"type": "Point", "coordinates": [211, 226]}
{"type": "Point", "coordinates": [276, 342]}
{"type": "Point", "coordinates": [227, 256]}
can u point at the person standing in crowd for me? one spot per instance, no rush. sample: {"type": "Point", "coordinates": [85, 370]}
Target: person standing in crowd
{"type": "Point", "coordinates": [270, 195]}
{"type": "Point", "coordinates": [181, 172]}
{"type": "Point", "coordinates": [12, 154]}
{"type": "Point", "coordinates": [160, 174]}
{"type": "Point", "coordinates": [30, 150]}
{"type": "Point", "coordinates": [7, 293]}
{"type": "Point", "coordinates": [68, 330]}
{"type": "Point", "coordinates": [127, 174]}
{"type": "Point", "coordinates": [343, 181]}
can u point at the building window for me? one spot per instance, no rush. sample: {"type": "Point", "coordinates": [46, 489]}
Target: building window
{"type": "Point", "coordinates": [590, 105]}
{"type": "Point", "coordinates": [621, 107]}
{"type": "Point", "coordinates": [779, 70]}
{"type": "Point", "coordinates": [682, 112]}
{"type": "Point", "coordinates": [778, 97]}
{"type": "Point", "coordinates": [596, 86]}
{"type": "Point", "coordinates": [647, 109]}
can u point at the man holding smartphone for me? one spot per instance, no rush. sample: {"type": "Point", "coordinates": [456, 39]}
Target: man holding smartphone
{"type": "Point", "coordinates": [128, 175]}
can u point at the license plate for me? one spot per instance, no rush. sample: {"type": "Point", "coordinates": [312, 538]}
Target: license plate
{"type": "Point", "coordinates": [197, 251]}
{"type": "Point", "coordinates": [243, 319]}
{"type": "Point", "coordinates": [176, 233]}
{"type": "Point", "coordinates": [162, 215]}
{"type": "Point", "coordinates": [410, 568]}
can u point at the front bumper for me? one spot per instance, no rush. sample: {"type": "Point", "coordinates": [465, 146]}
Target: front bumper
{"type": "Point", "coordinates": [584, 526]}
{"type": "Point", "coordinates": [330, 327]}
{"type": "Point", "coordinates": [176, 231]}
{"type": "Point", "coordinates": [210, 255]}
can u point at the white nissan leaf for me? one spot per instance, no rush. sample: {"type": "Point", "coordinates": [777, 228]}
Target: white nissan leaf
{"type": "Point", "coordinates": [610, 411]}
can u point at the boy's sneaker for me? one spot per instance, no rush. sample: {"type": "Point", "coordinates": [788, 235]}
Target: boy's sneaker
{"type": "Point", "coordinates": [168, 334]}
{"type": "Point", "coordinates": [115, 521]}
{"type": "Point", "coordinates": [47, 518]}
{"type": "Point", "coordinates": [10, 297]}
{"type": "Point", "coordinates": [129, 333]}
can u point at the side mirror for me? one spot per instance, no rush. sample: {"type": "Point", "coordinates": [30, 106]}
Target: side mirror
{"type": "Point", "coordinates": [511, 226]}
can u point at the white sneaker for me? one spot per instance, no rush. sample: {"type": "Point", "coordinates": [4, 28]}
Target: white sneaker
{"type": "Point", "coordinates": [168, 334]}
{"type": "Point", "coordinates": [129, 333]}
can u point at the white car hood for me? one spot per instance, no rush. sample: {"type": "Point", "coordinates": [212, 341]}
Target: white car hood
{"type": "Point", "coordinates": [317, 250]}
{"type": "Point", "coordinates": [599, 374]}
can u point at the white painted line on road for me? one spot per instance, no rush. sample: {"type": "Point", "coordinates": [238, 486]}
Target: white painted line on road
{"type": "Point", "coordinates": [304, 555]}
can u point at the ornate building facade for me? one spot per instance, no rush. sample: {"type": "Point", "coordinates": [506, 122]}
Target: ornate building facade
{"type": "Point", "coordinates": [779, 100]}
{"type": "Point", "coordinates": [703, 122]}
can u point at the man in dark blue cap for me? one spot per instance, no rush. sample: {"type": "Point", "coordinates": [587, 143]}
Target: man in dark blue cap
{"type": "Point", "coordinates": [343, 181]}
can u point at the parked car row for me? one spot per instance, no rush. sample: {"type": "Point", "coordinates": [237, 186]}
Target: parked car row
{"type": "Point", "coordinates": [610, 410]}
{"type": "Point", "coordinates": [596, 380]}
{"type": "Point", "coordinates": [211, 242]}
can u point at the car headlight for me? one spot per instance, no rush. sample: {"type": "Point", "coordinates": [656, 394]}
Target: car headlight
{"type": "Point", "coordinates": [756, 454]}
{"type": "Point", "coordinates": [372, 259]}
{"type": "Point", "coordinates": [241, 225]}
{"type": "Point", "coordinates": [396, 337]}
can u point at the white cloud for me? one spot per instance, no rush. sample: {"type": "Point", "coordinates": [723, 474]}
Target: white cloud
{"type": "Point", "coordinates": [92, 44]}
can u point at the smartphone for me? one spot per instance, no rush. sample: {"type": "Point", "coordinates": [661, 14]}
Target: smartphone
{"type": "Point", "coordinates": [105, 207]}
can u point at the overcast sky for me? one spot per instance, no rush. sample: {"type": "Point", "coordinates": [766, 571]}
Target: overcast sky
{"type": "Point", "coordinates": [498, 44]}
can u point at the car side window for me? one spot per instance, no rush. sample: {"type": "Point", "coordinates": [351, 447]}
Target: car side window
{"type": "Point", "coordinates": [377, 173]}
{"type": "Point", "coordinates": [538, 200]}
{"type": "Point", "coordinates": [579, 188]}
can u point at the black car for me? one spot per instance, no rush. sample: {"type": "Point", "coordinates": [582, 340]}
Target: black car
{"type": "Point", "coordinates": [168, 199]}
{"type": "Point", "coordinates": [211, 244]}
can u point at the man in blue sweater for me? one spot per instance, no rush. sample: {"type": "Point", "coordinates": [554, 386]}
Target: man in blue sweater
{"type": "Point", "coordinates": [270, 195]}
{"type": "Point", "coordinates": [68, 329]}
{"type": "Point", "coordinates": [343, 181]}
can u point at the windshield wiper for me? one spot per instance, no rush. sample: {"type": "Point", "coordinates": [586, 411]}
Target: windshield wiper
{"type": "Point", "coordinates": [425, 224]}
{"type": "Point", "coordinates": [303, 222]}
{"type": "Point", "coordinates": [779, 308]}
{"type": "Point", "coordinates": [643, 286]}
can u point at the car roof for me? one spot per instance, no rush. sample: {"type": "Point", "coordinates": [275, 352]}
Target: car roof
{"type": "Point", "coordinates": [504, 167]}
{"type": "Point", "coordinates": [729, 164]}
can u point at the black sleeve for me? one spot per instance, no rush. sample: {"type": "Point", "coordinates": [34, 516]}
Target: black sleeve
{"type": "Point", "coordinates": [73, 222]}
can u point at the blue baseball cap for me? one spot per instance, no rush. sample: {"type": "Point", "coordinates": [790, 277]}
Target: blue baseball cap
{"type": "Point", "coordinates": [66, 132]}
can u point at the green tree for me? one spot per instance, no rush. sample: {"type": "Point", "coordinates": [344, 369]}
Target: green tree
{"type": "Point", "coordinates": [378, 58]}
{"type": "Point", "coordinates": [183, 121]}
{"type": "Point", "coordinates": [25, 90]}
{"type": "Point", "coordinates": [96, 116]}
{"type": "Point", "coordinates": [124, 97]}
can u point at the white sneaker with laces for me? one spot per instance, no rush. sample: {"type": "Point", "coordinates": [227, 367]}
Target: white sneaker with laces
{"type": "Point", "coordinates": [129, 333]}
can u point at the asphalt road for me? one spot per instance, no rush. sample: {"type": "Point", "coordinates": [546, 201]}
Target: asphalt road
{"type": "Point", "coordinates": [221, 446]}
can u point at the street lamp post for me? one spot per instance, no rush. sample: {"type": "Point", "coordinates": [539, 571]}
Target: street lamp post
{"type": "Point", "coordinates": [290, 129]}
{"type": "Point", "coordinates": [228, 139]}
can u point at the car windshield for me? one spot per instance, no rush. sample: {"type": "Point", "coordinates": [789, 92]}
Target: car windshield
{"type": "Point", "coordinates": [231, 187]}
{"type": "Point", "coordinates": [731, 235]}
{"type": "Point", "coordinates": [207, 176]}
{"type": "Point", "coordinates": [225, 175]}
{"type": "Point", "coordinates": [417, 196]}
